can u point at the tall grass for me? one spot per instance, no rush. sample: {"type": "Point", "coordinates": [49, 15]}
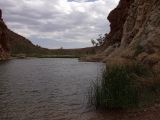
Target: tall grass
{"type": "Point", "coordinates": [119, 87]}
{"type": "Point", "coordinates": [139, 49]}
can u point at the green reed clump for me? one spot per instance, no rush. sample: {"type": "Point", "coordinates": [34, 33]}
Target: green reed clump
{"type": "Point", "coordinates": [139, 49]}
{"type": "Point", "coordinates": [118, 87]}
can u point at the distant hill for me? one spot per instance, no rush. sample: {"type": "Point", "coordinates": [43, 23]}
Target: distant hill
{"type": "Point", "coordinates": [20, 45]}
{"type": "Point", "coordinates": [13, 44]}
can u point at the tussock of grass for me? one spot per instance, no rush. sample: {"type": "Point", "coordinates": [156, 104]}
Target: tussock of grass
{"type": "Point", "coordinates": [139, 49]}
{"type": "Point", "coordinates": [119, 88]}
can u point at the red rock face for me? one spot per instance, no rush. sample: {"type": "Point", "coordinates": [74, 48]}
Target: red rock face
{"type": "Point", "coordinates": [117, 18]}
{"type": "Point", "coordinates": [0, 14]}
{"type": "Point", "coordinates": [4, 49]}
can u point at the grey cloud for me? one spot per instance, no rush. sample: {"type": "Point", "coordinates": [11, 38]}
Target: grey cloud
{"type": "Point", "coordinates": [57, 44]}
{"type": "Point", "coordinates": [58, 20]}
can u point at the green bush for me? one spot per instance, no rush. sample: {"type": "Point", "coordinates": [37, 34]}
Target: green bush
{"type": "Point", "coordinates": [118, 87]}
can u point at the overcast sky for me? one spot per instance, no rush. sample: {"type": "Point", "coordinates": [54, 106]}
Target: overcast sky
{"type": "Point", "coordinates": [58, 23]}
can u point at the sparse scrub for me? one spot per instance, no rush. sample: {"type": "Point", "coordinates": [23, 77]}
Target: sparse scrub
{"type": "Point", "coordinates": [120, 87]}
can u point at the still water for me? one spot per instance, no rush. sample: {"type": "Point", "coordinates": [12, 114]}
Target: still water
{"type": "Point", "coordinates": [47, 89]}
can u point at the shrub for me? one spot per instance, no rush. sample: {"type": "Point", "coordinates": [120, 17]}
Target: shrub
{"type": "Point", "coordinates": [119, 88]}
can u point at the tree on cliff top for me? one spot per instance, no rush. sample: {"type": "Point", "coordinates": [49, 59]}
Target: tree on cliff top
{"type": "Point", "coordinates": [99, 41]}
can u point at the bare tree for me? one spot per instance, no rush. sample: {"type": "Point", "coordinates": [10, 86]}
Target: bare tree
{"type": "Point", "coordinates": [99, 41]}
{"type": "Point", "coordinates": [93, 42]}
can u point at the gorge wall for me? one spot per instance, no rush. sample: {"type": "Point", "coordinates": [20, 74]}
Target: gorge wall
{"type": "Point", "coordinates": [13, 44]}
{"type": "Point", "coordinates": [117, 18]}
{"type": "Point", "coordinates": [4, 48]}
{"type": "Point", "coordinates": [134, 35]}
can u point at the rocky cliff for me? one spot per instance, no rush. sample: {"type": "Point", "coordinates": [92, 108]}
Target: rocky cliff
{"type": "Point", "coordinates": [117, 18]}
{"type": "Point", "coordinates": [13, 44]}
{"type": "Point", "coordinates": [4, 49]}
{"type": "Point", "coordinates": [134, 35]}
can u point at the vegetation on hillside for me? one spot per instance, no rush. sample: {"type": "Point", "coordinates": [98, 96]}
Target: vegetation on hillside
{"type": "Point", "coordinates": [20, 47]}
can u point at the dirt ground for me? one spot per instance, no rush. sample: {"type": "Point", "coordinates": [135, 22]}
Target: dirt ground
{"type": "Point", "coordinates": [151, 113]}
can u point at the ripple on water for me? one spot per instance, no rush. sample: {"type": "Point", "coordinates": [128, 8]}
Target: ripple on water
{"type": "Point", "coordinates": [46, 89]}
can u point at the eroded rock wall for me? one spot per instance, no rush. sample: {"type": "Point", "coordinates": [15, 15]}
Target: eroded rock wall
{"type": "Point", "coordinates": [4, 49]}
{"type": "Point", "coordinates": [141, 33]}
{"type": "Point", "coordinates": [117, 18]}
{"type": "Point", "coordinates": [134, 35]}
